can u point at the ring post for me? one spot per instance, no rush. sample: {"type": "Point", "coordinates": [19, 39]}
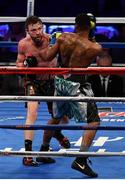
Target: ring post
{"type": "Point", "coordinates": [30, 7]}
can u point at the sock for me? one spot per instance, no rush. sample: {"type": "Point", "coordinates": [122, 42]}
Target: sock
{"type": "Point", "coordinates": [82, 149]}
{"type": "Point", "coordinates": [28, 145]}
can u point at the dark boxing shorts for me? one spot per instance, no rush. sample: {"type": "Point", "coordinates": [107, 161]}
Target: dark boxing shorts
{"type": "Point", "coordinates": [75, 85]}
{"type": "Point", "coordinates": [40, 88]}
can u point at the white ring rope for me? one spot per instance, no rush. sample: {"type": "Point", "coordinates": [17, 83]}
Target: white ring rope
{"type": "Point", "coordinates": [62, 154]}
{"type": "Point", "coordinates": [69, 20]}
{"type": "Point", "coordinates": [60, 98]}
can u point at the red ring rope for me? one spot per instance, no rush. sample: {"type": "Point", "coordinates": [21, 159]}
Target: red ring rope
{"type": "Point", "coordinates": [89, 70]}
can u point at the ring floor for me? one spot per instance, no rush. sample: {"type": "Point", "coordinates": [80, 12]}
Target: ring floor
{"type": "Point", "coordinates": [13, 113]}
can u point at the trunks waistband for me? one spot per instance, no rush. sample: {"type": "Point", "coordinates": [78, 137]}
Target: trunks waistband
{"type": "Point", "coordinates": [74, 78]}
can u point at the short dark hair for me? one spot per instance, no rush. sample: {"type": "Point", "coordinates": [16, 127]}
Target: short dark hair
{"type": "Point", "coordinates": [32, 20]}
{"type": "Point", "coordinates": [83, 21]}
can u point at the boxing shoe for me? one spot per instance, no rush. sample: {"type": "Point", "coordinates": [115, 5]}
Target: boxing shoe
{"type": "Point", "coordinates": [45, 160]}
{"type": "Point", "coordinates": [64, 142]}
{"type": "Point", "coordinates": [28, 161]}
{"type": "Point", "coordinates": [80, 164]}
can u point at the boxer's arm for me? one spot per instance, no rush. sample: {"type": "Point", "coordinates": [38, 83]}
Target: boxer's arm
{"type": "Point", "coordinates": [95, 50]}
{"type": "Point", "coordinates": [54, 46]}
{"type": "Point", "coordinates": [52, 52]}
{"type": "Point", "coordinates": [49, 53]}
{"type": "Point", "coordinates": [20, 56]}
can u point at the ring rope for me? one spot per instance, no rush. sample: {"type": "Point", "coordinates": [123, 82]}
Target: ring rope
{"type": "Point", "coordinates": [64, 153]}
{"type": "Point", "coordinates": [104, 44]}
{"type": "Point", "coordinates": [60, 127]}
{"type": "Point", "coordinates": [60, 98]}
{"type": "Point", "coordinates": [8, 44]}
{"type": "Point", "coordinates": [60, 20]}
{"type": "Point", "coordinates": [37, 70]}
{"type": "Point", "coordinates": [112, 44]}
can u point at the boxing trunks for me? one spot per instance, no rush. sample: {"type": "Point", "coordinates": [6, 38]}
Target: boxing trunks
{"type": "Point", "coordinates": [75, 86]}
{"type": "Point", "coordinates": [40, 88]}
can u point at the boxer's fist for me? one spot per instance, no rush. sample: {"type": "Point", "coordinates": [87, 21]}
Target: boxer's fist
{"type": "Point", "coordinates": [54, 37]}
{"type": "Point", "coordinates": [30, 61]}
{"type": "Point", "coordinates": [92, 26]}
{"type": "Point", "coordinates": [92, 20]}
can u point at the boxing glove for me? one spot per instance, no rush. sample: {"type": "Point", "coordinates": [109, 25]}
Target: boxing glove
{"type": "Point", "coordinates": [92, 26]}
{"type": "Point", "coordinates": [30, 61]}
{"type": "Point", "coordinates": [54, 37]}
{"type": "Point", "coordinates": [92, 20]}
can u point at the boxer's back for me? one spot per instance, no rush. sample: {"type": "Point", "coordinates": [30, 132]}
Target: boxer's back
{"type": "Point", "coordinates": [76, 50]}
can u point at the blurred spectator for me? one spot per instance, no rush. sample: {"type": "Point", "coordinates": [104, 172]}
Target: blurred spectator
{"type": "Point", "coordinates": [105, 33]}
{"type": "Point", "coordinates": [9, 84]}
{"type": "Point", "coordinates": [121, 36]}
{"type": "Point", "coordinates": [101, 38]}
{"type": "Point", "coordinates": [15, 33]}
{"type": "Point", "coordinates": [118, 54]}
{"type": "Point", "coordinates": [4, 28]}
{"type": "Point", "coordinates": [106, 85]}
{"type": "Point", "coordinates": [4, 54]}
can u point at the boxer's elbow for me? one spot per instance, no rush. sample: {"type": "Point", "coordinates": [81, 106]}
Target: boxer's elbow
{"type": "Point", "coordinates": [51, 53]}
{"type": "Point", "coordinates": [98, 48]}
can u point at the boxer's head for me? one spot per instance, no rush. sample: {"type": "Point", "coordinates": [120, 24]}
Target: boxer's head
{"type": "Point", "coordinates": [34, 27]}
{"type": "Point", "coordinates": [82, 22]}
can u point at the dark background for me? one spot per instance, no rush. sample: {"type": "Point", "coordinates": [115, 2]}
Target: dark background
{"type": "Point", "coordinates": [64, 8]}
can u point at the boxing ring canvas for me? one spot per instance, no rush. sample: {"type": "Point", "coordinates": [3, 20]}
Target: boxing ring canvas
{"type": "Point", "coordinates": [13, 113]}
